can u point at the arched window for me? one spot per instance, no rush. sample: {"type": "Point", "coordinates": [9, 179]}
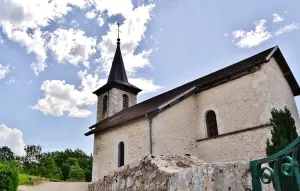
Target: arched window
{"type": "Point", "coordinates": [211, 124]}
{"type": "Point", "coordinates": [121, 153]}
{"type": "Point", "coordinates": [104, 108]}
{"type": "Point", "coordinates": [125, 101]}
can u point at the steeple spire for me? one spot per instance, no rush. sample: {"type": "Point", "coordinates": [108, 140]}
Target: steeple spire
{"type": "Point", "coordinates": [117, 71]}
{"type": "Point", "coordinates": [117, 77]}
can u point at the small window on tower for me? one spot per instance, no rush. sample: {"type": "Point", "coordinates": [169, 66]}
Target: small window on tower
{"type": "Point", "coordinates": [125, 101]}
{"type": "Point", "coordinates": [211, 124]}
{"type": "Point", "coordinates": [104, 109]}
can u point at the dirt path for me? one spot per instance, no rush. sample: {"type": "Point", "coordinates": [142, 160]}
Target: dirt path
{"type": "Point", "coordinates": [57, 186]}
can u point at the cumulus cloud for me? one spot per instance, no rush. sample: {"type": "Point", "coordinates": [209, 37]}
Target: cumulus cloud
{"type": "Point", "coordinates": [277, 18]}
{"type": "Point", "coordinates": [252, 38]}
{"type": "Point", "coordinates": [132, 32]}
{"type": "Point", "coordinates": [4, 70]}
{"type": "Point", "coordinates": [144, 84]}
{"type": "Point", "coordinates": [12, 138]}
{"type": "Point", "coordinates": [18, 17]}
{"type": "Point", "coordinates": [72, 46]}
{"type": "Point", "coordinates": [60, 97]}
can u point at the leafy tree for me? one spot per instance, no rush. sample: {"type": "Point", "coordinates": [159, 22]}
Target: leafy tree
{"type": "Point", "coordinates": [9, 177]}
{"type": "Point", "coordinates": [283, 133]}
{"type": "Point", "coordinates": [76, 173]}
{"type": "Point", "coordinates": [51, 169]}
{"type": "Point", "coordinates": [32, 159]}
{"type": "Point", "coordinates": [65, 171]}
{"type": "Point", "coordinates": [6, 154]}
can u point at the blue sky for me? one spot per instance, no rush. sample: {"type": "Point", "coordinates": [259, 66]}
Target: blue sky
{"type": "Point", "coordinates": [54, 54]}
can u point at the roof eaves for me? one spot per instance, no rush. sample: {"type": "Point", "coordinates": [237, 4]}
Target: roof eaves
{"type": "Point", "coordinates": [278, 56]}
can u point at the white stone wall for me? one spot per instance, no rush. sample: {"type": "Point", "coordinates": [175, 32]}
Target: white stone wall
{"type": "Point", "coordinates": [279, 93]}
{"type": "Point", "coordinates": [241, 147]}
{"type": "Point", "coordinates": [174, 129]}
{"type": "Point", "coordinates": [136, 143]}
{"type": "Point", "coordinates": [115, 102]}
{"type": "Point", "coordinates": [238, 104]}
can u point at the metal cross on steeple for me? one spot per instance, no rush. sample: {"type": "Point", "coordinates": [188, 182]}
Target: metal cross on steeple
{"type": "Point", "coordinates": [118, 30]}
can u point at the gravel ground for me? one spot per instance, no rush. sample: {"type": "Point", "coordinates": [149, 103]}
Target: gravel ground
{"type": "Point", "coordinates": [57, 186]}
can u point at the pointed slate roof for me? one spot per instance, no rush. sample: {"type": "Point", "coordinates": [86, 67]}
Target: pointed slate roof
{"type": "Point", "coordinates": [117, 71]}
{"type": "Point", "coordinates": [159, 102]}
{"type": "Point", "coordinates": [117, 77]}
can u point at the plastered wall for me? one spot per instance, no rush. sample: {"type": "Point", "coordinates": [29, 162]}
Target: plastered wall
{"type": "Point", "coordinates": [174, 129]}
{"type": "Point", "coordinates": [136, 143]}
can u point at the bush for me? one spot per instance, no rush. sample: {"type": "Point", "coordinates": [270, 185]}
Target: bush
{"type": "Point", "coordinates": [9, 177]}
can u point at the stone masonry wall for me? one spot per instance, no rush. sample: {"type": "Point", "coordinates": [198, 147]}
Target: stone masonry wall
{"type": "Point", "coordinates": [176, 173]}
{"type": "Point", "coordinates": [114, 102]}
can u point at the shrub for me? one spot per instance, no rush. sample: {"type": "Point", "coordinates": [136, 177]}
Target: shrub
{"type": "Point", "coordinates": [9, 177]}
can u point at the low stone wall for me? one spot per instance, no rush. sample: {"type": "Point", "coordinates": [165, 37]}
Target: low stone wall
{"type": "Point", "coordinates": [176, 173]}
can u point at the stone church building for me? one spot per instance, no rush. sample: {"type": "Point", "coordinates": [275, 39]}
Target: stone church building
{"type": "Point", "coordinates": [223, 116]}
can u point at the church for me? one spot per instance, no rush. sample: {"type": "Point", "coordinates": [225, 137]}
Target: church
{"type": "Point", "coordinates": [221, 117]}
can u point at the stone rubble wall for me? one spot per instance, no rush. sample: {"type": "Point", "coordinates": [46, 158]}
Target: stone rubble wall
{"type": "Point", "coordinates": [176, 173]}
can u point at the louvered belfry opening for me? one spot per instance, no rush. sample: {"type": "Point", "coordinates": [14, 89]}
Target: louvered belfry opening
{"type": "Point", "coordinates": [104, 106]}
{"type": "Point", "coordinates": [125, 101]}
{"type": "Point", "coordinates": [211, 124]}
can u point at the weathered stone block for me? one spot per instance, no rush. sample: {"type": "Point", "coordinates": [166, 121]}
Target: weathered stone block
{"type": "Point", "coordinates": [176, 173]}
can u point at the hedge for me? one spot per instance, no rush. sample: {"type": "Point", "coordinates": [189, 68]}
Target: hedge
{"type": "Point", "coordinates": [9, 177]}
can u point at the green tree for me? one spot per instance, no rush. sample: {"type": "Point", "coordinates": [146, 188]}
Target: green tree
{"type": "Point", "coordinates": [283, 133]}
{"type": "Point", "coordinates": [32, 159]}
{"type": "Point", "coordinates": [76, 173]}
{"type": "Point", "coordinates": [51, 168]}
{"type": "Point", "coordinates": [6, 154]}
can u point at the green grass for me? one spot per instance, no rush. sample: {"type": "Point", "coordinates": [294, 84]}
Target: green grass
{"type": "Point", "coordinates": [23, 179]}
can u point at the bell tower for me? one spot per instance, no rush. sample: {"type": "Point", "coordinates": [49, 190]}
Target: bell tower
{"type": "Point", "coordinates": [117, 94]}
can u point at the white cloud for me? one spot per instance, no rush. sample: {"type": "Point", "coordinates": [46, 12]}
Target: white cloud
{"type": "Point", "coordinates": [132, 32]}
{"type": "Point", "coordinates": [144, 84]}
{"type": "Point", "coordinates": [4, 70]}
{"type": "Point", "coordinates": [12, 138]}
{"type": "Point", "coordinates": [29, 82]}
{"type": "Point", "coordinates": [287, 28]}
{"type": "Point", "coordinates": [72, 46]}
{"type": "Point", "coordinates": [91, 14]}
{"type": "Point", "coordinates": [17, 16]}
{"type": "Point", "coordinates": [60, 98]}
{"type": "Point", "coordinates": [100, 21]}
{"type": "Point", "coordinates": [11, 81]}
{"type": "Point", "coordinates": [124, 6]}
{"type": "Point", "coordinates": [226, 34]}
{"type": "Point", "coordinates": [277, 18]}
{"type": "Point", "coordinates": [1, 40]}
{"type": "Point", "coordinates": [252, 38]}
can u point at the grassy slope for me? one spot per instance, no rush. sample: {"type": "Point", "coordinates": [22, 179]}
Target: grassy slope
{"type": "Point", "coordinates": [23, 179]}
